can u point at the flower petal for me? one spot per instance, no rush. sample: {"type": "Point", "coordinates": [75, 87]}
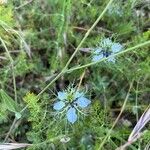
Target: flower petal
{"type": "Point", "coordinates": [97, 58]}
{"type": "Point", "coordinates": [71, 115]}
{"type": "Point", "coordinates": [59, 105]}
{"type": "Point", "coordinates": [83, 102]}
{"type": "Point", "coordinates": [97, 51]}
{"type": "Point", "coordinates": [62, 95]}
{"type": "Point", "coordinates": [111, 59]}
{"type": "Point", "coordinates": [78, 94]}
{"type": "Point", "coordinates": [116, 47]}
{"type": "Point", "coordinates": [106, 42]}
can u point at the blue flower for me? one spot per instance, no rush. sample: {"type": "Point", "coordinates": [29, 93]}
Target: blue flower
{"type": "Point", "coordinates": [70, 102]}
{"type": "Point", "coordinates": [96, 58]}
{"type": "Point", "coordinates": [71, 115]}
{"type": "Point", "coordinates": [59, 105]}
{"type": "Point", "coordinates": [107, 48]}
{"type": "Point", "coordinates": [83, 102]}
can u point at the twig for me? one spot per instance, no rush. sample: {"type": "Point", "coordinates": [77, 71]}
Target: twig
{"type": "Point", "coordinates": [4, 58]}
{"type": "Point", "coordinates": [26, 3]}
{"type": "Point", "coordinates": [81, 79]}
{"type": "Point", "coordinates": [99, 28]}
{"type": "Point", "coordinates": [10, 130]}
{"type": "Point", "coordinates": [87, 50]}
{"type": "Point", "coordinates": [136, 132]}
{"type": "Point", "coordinates": [122, 109]}
{"type": "Point", "coordinates": [10, 146]}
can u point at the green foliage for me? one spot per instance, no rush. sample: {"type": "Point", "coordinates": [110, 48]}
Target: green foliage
{"type": "Point", "coordinates": [34, 107]}
{"type": "Point", "coordinates": [6, 15]}
{"type": "Point", "coordinates": [8, 104]}
{"type": "Point", "coordinates": [52, 30]}
{"type": "Point", "coordinates": [6, 19]}
{"type": "Point", "coordinates": [35, 117]}
{"type": "Point", "coordinates": [146, 137]}
{"type": "Point", "coordinates": [23, 66]}
{"type": "Point", "coordinates": [3, 114]}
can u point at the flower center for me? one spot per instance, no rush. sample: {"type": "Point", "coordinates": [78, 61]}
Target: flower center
{"type": "Point", "coordinates": [106, 52]}
{"type": "Point", "coordinates": [70, 97]}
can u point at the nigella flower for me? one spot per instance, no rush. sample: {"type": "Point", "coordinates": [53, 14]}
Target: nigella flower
{"type": "Point", "coordinates": [106, 48]}
{"type": "Point", "coordinates": [70, 102]}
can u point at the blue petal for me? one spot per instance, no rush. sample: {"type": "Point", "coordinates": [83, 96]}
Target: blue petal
{"type": "Point", "coordinates": [83, 102]}
{"type": "Point", "coordinates": [71, 115]}
{"type": "Point", "coordinates": [97, 58]}
{"type": "Point", "coordinates": [62, 95]}
{"type": "Point", "coordinates": [106, 42]}
{"type": "Point", "coordinates": [112, 59]}
{"type": "Point", "coordinates": [78, 94]}
{"type": "Point", "coordinates": [59, 105]}
{"type": "Point", "coordinates": [97, 51]}
{"type": "Point", "coordinates": [116, 47]}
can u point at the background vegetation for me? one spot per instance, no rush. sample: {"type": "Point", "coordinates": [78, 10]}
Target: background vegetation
{"type": "Point", "coordinates": [38, 38]}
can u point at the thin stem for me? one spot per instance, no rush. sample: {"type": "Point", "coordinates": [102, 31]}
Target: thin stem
{"type": "Point", "coordinates": [87, 65]}
{"type": "Point", "coordinates": [115, 122]}
{"type": "Point", "coordinates": [10, 130]}
{"type": "Point", "coordinates": [88, 32]}
{"type": "Point", "coordinates": [77, 49]}
{"type": "Point", "coordinates": [22, 5]}
{"type": "Point", "coordinates": [136, 103]}
{"type": "Point", "coordinates": [12, 67]}
{"type": "Point", "coordinates": [136, 100]}
{"type": "Point", "coordinates": [106, 58]}
{"type": "Point", "coordinates": [81, 79]}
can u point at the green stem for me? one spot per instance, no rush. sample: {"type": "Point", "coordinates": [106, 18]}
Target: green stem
{"type": "Point", "coordinates": [115, 122]}
{"type": "Point", "coordinates": [12, 67]}
{"type": "Point", "coordinates": [77, 49]}
{"type": "Point", "coordinates": [106, 58]}
{"type": "Point", "coordinates": [88, 32]}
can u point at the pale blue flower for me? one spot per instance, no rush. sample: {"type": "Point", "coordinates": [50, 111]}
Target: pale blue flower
{"type": "Point", "coordinates": [83, 102]}
{"type": "Point", "coordinates": [116, 47]}
{"type": "Point", "coordinates": [106, 48]}
{"type": "Point", "coordinates": [97, 51]}
{"type": "Point", "coordinates": [59, 105]}
{"type": "Point", "coordinates": [78, 94]}
{"type": "Point", "coordinates": [106, 42]}
{"type": "Point", "coordinates": [70, 102]}
{"type": "Point", "coordinates": [96, 58]}
{"type": "Point", "coordinates": [62, 95]}
{"type": "Point", "coordinates": [71, 115]}
{"type": "Point", "coordinates": [111, 59]}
